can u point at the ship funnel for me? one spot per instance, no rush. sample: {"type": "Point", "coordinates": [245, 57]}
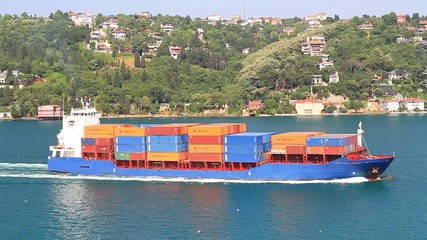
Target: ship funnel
{"type": "Point", "coordinates": [359, 135]}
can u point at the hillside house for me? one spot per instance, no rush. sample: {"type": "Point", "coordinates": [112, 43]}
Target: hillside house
{"type": "Point", "coordinates": [111, 24]}
{"type": "Point", "coordinates": [167, 28]}
{"type": "Point", "coordinates": [313, 25]}
{"type": "Point", "coordinates": [423, 23]}
{"type": "Point", "coordinates": [401, 19]}
{"type": "Point", "coordinates": [309, 107]}
{"type": "Point", "coordinates": [365, 26]}
{"type": "Point", "coordinates": [317, 80]}
{"type": "Point", "coordinates": [174, 51]}
{"type": "Point", "coordinates": [334, 78]}
{"type": "Point", "coordinates": [397, 74]}
{"type": "Point", "coordinates": [391, 105]}
{"type": "Point", "coordinates": [3, 75]}
{"type": "Point", "coordinates": [119, 34]}
{"type": "Point", "coordinates": [82, 19]}
{"type": "Point", "coordinates": [164, 107]}
{"type": "Point", "coordinates": [412, 104]}
{"type": "Point", "coordinates": [200, 33]}
{"type": "Point", "coordinates": [325, 62]}
{"type": "Point", "coordinates": [315, 45]}
{"type": "Point", "coordinates": [255, 105]}
{"type": "Point", "coordinates": [288, 30]}
{"type": "Point", "coordinates": [4, 115]}
{"type": "Point", "coordinates": [98, 34]}
{"type": "Point", "coordinates": [246, 50]}
{"type": "Point", "coordinates": [402, 39]}
{"type": "Point", "coordinates": [49, 112]}
{"type": "Point", "coordinates": [145, 14]}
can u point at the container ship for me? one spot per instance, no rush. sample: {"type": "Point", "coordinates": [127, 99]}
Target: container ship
{"type": "Point", "coordinates": [208, 151]}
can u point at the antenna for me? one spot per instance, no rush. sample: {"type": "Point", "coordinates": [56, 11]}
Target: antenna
{"type": "Point", "coordinates": [244, 9]}
{"type": "Point", "coordinates": [63, 105]}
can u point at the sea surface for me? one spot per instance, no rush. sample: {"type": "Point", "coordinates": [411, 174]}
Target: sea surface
{"type": "Point", "coordinates": [36, 204]}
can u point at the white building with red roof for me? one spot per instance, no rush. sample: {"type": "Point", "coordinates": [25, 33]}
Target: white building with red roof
{"type": "Point", "coordinates": [309, 107]}
{"type": "Point", "coordinates": [412, 104]}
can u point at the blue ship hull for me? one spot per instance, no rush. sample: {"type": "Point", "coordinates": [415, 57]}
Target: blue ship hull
{"type": "Point", "coordinates": [338, 169]}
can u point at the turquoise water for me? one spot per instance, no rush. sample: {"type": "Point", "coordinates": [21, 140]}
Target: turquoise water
{"type": "Point", "coordinates": [36, 204]}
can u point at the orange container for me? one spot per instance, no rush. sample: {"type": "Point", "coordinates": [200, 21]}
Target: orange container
{"type": "Point", "coordinates": [98, 136]}
{"type": "Point", "coordinates": [167, 156]}
{"type": "Point", "coordinates": [278, 148]}
{"type": "Point", "coordinates": [293, 138]}
{"type": "Point", "coordinates": [206, 157]}
{"type": "Point", "coordinates": [207, 130]}
{"type": "Point", "coordinates": [103, 129]}
{"type": "Point", "coordinates": [233, 127]}
{"type": "Point", "coordinates": [205, 148]}
{"type": "Point", "coordinates": [130, 131]}
{"type": "Point", "coordinates": [138, 156]}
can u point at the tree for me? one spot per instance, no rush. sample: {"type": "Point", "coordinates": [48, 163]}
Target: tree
{"type": "Point", "coordinates": [137, 60]}
{"type": "Point", "coordinates": [163, 50]}
{"type": "Point", "coordinates": [144, 76]}
{"type": "Point", "coordinates": [330, 108]}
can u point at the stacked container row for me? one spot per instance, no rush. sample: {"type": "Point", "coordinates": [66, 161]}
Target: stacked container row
{"type": "Point", "coordinates": [248, 147]}
{"type": "Point", "coordinates": [291, 142]}
{"type": "Point", "coordinates": [332, 144]}
{"type": "Point", "coordinates": [168, 142]}
{"type": "Point", "coordinates": [131, 143]}
{"type": "Point", "coordinates": [98, 141]}
{"type": "Point", "coordinates": [206, 142]}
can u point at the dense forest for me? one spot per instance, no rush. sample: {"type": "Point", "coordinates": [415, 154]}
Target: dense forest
{"type": "Point", "coordinates": [211, 71]}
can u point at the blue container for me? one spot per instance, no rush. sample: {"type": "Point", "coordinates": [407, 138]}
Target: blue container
{"type": "Point", "coordinates": [88, 141]}
{"type": "Point", "coordinates": [248, 148]}
{"type": "Point", "coordinates": [168, 147]}
{"type": "Point", "coordinates": [167, 139]}
{"type": "Point", "coordinates": [126, 148]}
{"type": "Point", "coordinates": [247, 138]}
{"type": "Point", "coordinates": [329, 140]}
{"type": "Point", "coordinates": [266, 147]}
{"type": "Point", "coordinates": [132, 140]}
{"type": "Point", "coordinates": [244, 157]}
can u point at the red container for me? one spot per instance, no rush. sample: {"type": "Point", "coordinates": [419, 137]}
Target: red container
{"type": "Point", "coordinates": [104, 156]}
{"type": "Point", "coordinates": [315, 150]}
{"type": "Point", "coordinates": [336, 150]}
{"type": "Point", "coordinates": [88, 149]}
{"type": "Point", "coordinates": [138, 156]}
{"type": "Point", "coordinates": [104, 141]}
{"type": "Point", "coordinates": [165, 130]}
{"type": "Point", "coordinates": [206, 157]}
{"type": "Point", "coordinates": [205, 139]}
{"type": "Point", "coordinates": [104, 148]}
{"type": "Point", "coordinates": [295, 149]}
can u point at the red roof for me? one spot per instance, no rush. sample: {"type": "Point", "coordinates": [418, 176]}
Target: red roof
{"type": "Point", "coordinates": [308, 101]}
{"type": "Point", "coordinates": [413, 100]}
{"type": "Point", "coordinates": [423, 22]}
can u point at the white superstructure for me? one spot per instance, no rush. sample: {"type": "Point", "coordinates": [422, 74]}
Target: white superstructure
{"type": "Point", "coordinates": [69, 138]}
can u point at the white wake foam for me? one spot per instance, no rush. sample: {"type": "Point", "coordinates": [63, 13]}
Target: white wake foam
{"type": "Point", "coordinates": [177, 180]}
{"type": "Point", "coordinates": [26, 166]}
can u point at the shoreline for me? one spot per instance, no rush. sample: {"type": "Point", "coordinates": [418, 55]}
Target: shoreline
{"type": "Point", "coordinates": [225, 116]}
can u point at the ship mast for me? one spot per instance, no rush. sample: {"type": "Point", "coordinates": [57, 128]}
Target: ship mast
{"type": "Point", "coordinates": [360, 135]}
